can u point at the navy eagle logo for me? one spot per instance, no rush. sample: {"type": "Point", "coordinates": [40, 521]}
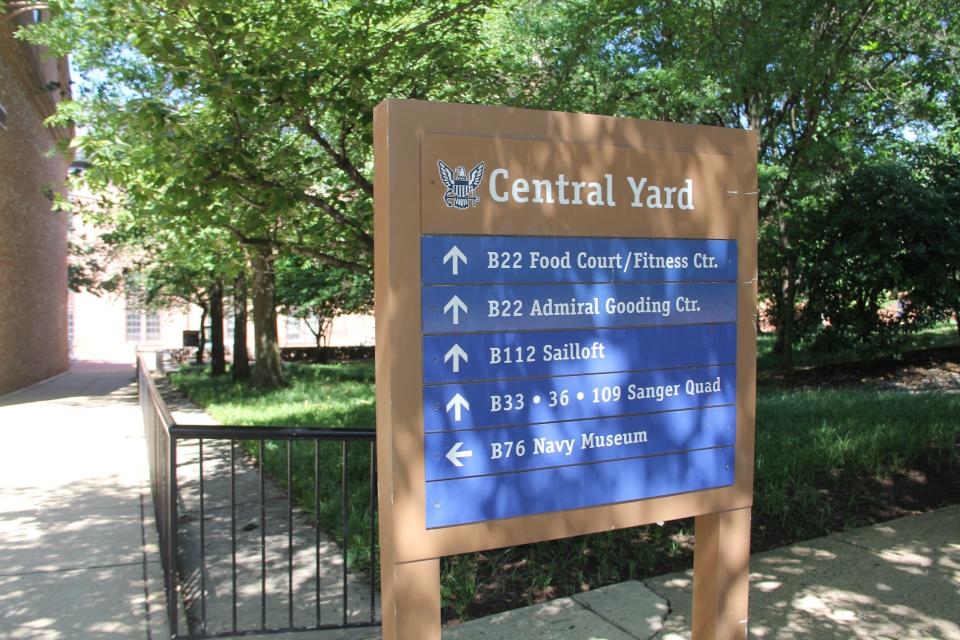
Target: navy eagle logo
{"type": "Point", "coordinates": [461, 190]}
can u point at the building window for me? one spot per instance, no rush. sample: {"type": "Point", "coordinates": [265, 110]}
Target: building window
{"type": "Point", "coordinates": [230, 324]}
{"type": "Point", "coordinates": [293, 329]}
{"type": "Point", "coordinates": [133, 325]}
{"type": "Point", "coordinates": [133, 294]}
{"type": "Point", "coordinates": [152, 322]}
{"type": "Point", "coordinates": [141, 323]}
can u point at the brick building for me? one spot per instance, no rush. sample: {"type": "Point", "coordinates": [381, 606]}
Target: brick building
{"type": "Point", "coordinates": [33, 246]}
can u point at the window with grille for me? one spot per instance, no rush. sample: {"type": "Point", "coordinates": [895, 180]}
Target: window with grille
{"type": "Point", "coordinates": [293, 329]}
{"type": "Point", "coordinates": [229, 323]}
{"type": "Point", "coordinates": [133, 295]}
{"type": "Point", "coordinates": [141, 323]}
{"type": "Point", "coordinates": [152, 323]}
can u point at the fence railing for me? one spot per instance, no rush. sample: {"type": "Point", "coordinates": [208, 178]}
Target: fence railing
{"type": "Point", "coordinates": [256, 523]}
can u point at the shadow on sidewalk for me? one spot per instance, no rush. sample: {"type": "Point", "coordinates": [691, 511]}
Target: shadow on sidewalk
{"type": "Point", "coordinates": [73, 562]}
{"type": "Point", "coordinates": [86, 383]}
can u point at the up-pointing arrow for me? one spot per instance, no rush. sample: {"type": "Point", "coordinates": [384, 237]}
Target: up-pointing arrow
{"type": "Point", "coordinates": [456, 256]}
{"type": "Point", "coordinates": [455, 454]}
{"type": "Point", "coordinates": [457, 403]}
{"type": "Point", "coordinates": [457, 354]}
{"type": "Point", "coordinates": [457, 305]}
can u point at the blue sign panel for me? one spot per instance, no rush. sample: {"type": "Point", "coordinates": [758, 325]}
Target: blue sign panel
{"type": "Point", "coordinates": [500, 259]}
{"type": "Point", "coordinates": [462, 454]}
{"type": "Point", "coordinates": [562, 372]}
{"type": "Point", "coordinates": [491, 356]}
{"type": "Point", "coordinates": [466, 500]}
{"type": "Point", "coordinates": [453, 407]}
{"type": "Point", "coordinates": [459, 309]}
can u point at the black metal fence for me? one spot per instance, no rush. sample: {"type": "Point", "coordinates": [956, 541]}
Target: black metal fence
{"type": "Point", "coordinates": [240, 539]}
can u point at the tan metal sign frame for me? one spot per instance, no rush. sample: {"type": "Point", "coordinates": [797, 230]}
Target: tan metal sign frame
{"type": "Point", "coordinates": [408, 204]}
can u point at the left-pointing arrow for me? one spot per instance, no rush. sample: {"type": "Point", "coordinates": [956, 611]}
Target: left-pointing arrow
{"type": "Point", "coordinates": [457, 353]}
{"type": "Point", "coordinates": [455, 454]}
{"type": "Point", "coordinates": [458, 403]}
{"type": "Point", "coordinates": [456, 256]}
{"type": "Point", "coordinates": [457, 305]}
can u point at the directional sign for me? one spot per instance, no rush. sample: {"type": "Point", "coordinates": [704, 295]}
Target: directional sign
{"type": "Point", "coordinates": [565, 341]}
{"type": "Point", "coordinates": [513, 402]}
{"type": "Point", "coordinates": [530, 354]}
{"type": "Point", "coordinates": [454, 255]}
{"type": "Point", "coordinates": [461, 454]}
{"type": "Point", "coordinates": [450, 309]}
{"type": "Point", "coordinates": [455, 454]}
{"type": "Point", "coordinates": [502, 259]}
{"type": "Point", "coordinates": [481, 498]}
{"type": "Point", "coordinates": [457, 404]}
{"type": "Point", "coordinates": [454, 307]}
{"type": "Point", "coordinates": [547, 358]}
{"type": "Point", "coordinates": [455, 353]}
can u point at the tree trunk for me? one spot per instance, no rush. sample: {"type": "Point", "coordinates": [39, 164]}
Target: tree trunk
{"type": "Point", "coordinates": [203, 334]}
{"type": "Point", "coordinates": [266, 370]}
{"type": "Point", "coordinates": [787, 297]}
{"type": "Point", "coordinates": [785, 312]}
{"type": "Point", "coordinates": [241, 359]}
{"type": "Point", "coordinates": [218, 362]}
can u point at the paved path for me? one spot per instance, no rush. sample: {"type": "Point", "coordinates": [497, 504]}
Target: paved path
{"type": "Point", "coordinates": [78, 553]}
{"type": "Point", "coordinates": [897, 580]}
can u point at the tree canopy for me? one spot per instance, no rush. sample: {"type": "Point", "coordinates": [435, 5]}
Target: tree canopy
{"type": "Point", "coordinates": [254, 119]}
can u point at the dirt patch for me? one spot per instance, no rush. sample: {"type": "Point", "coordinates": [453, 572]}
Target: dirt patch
{"type": "Point", "coordinates": [927, 370]}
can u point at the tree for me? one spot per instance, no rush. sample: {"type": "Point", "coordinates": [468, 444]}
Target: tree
{"type": "Point", "coordinates": [240, 369]}
{"type": "Point", "coordinates": [255, 118]}
{"type": "Point", "coordinates": [936, 257]}
{"type": "Point", "coordinates": [318, 293]}
{"type": "Point", "coordinates": [822, 83]}
{"type": "Point", "coordinates": [865, 256]}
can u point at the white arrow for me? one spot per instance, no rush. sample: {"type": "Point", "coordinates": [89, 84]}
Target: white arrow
{"type": "Point", "coordinates": [456, 255]}
{"type": "Point", "coordinates": [457, 403]}
{"type": "Point", "coordinates": [455, 454]}
{"type": "Point", "coordinates": [457, 354]}
{"type": "Point", "coordinates": [457, 305]}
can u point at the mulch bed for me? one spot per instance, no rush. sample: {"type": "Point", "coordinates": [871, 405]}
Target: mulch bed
{"type": "Point", "coordinates": [926, 370]}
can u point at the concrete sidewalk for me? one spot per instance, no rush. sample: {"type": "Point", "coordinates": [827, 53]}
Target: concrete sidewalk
{"type": "Point", "coordinates": [77, 537]}
{"type": "Point", "coordinates": [895, 580]}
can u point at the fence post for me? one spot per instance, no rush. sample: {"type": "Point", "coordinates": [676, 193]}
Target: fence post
{"type": "Point", "coordinates": [173, 592]}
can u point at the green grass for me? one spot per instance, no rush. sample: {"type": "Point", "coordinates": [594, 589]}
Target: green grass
{"type": "Point", "coordinates": [814, 446]}
{"type": "Point", "coordinates": [813, 450]}
{"type": "Point", "coordinates": [334, 395]}
{"type": "Point", "coordinates": [940, 335]}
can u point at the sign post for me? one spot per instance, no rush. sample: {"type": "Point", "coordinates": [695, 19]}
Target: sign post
{"type": "Point", "coordinates": [565, 341]}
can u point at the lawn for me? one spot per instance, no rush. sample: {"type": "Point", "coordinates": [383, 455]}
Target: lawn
{"type": "Point", "coordinates": [825, 460]}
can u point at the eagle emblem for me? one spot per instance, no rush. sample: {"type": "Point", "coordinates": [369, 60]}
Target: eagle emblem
{"type": "Point", "coordinates": [461, 190]}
